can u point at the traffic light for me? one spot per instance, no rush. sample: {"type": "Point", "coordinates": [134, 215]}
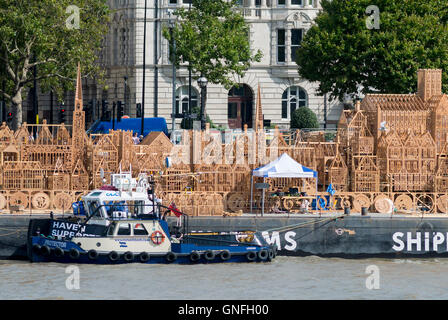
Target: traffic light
{"type": "Point", "coordinates": [139, 110]}
{"type": "Point", "coordinates": [105, 110]}
{"type": "Point", "coordinates": [120, 111]}
{"type": "Point", "coordinates": [9, 117]}
{"type": "Point", "coordinates": [62, 115]}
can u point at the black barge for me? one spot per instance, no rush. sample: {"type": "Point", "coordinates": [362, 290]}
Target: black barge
{"type": "Point", "coordinates": [326, 235]}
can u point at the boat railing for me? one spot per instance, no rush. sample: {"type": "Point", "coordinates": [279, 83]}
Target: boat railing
{"type": "Point", "coordinates": [156, 213]}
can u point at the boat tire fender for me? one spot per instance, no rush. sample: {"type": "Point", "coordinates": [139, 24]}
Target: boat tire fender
{"type": "Point", "coordinates": [251, 255]}
{"type": "Point", "coordinates": [144, 257]}
{"type": "Point", "coordinates": [271, 254]}
{"type": "Point", "coordinates": [113, 256]}
{"type": "Point", "coordinates": [195, 256]}
{"type": "Point", "coordinates": [58, 252]}
{"type": "Point", "coordinates": [73, 253]}
{"type": "Point", "coordinates": [225, 255]}
{"type": "Point", "coordinates": [92, 254]}
{"type": "Point", "coordinates": [263, 254]}
{"type": "Point", "coordinates": [45, 250]}
{"type": "Point", "coordinates": [209, 255]}
{"type": "Point", "coordinates": [171, 257]}
{"type": "Point", "coordinates": [36, 248]}
{"type": "Point", "coordinates": [128, 256]}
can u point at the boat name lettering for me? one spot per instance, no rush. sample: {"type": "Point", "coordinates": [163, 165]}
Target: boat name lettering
{"type": "Point", "coordinates": [67, 229]}
{"type": "Point", "coordinates": [419, 241]}
{"type": "Point", "coordinates": [274, 238]}
{"type": "Point", "coordinates": [53, 243]}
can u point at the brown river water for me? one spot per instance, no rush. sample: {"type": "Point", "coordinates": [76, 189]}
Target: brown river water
{"type": "Point", "coordinates": [285, 278]}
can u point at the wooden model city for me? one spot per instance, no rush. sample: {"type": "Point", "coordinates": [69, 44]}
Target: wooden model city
{"type": "Point", "coordinates": [390, 152]}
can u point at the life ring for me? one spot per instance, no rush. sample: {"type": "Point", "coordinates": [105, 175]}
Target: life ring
{"type": "Point", "coordinates": [128, 256]}
{"type": "Point", "coordinates": [209, 255]}
{"type": "Point", "coordinates": [113, 256]}
{"type": "Point", "coordinates": [92, 254]}
{"type": "Point", "coordinates": [251, 255]}
{"type": "Point", "coordinates": [144, 257]}
{"type": "Point", "coordinates": [73, 254]}
{"type": "Point", "coordinates": [157, 237]}
{"type": "Point", "coordinates": [58, 252]}
{"type": "Point", "coordinates": [263, 254]}
{"type": "Point", "coordinates": [225, 255]}
{"type": "Point", "coordinates": [170, 256]}
{"type": "Point", "coordinates": [195, 256]}
{"type": "Point", "coordinates": [45, 250]}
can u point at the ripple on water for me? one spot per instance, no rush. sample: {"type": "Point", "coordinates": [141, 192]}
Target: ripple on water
{"type": "Point", "coordinates": [286, 278]}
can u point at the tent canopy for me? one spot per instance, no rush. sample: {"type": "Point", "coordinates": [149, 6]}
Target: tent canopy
{"type": "Point", "coordinates": [284, 167]}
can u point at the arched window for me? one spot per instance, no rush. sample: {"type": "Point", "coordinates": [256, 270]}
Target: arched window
{"type": "Point", "coordinates": [182, 99]}
{"type": "Point", "coordinates": [293, 98]}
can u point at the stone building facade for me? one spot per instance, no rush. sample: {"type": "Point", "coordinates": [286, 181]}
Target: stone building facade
{"type": "Point", "coordinates": [276, 28]}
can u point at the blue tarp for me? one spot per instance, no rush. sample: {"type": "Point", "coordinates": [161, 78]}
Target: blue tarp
{"type": "Point", "coordinates": [134, 124]}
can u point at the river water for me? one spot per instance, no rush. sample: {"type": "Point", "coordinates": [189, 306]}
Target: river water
{"type": "Point", "coordinates": [285, 278]}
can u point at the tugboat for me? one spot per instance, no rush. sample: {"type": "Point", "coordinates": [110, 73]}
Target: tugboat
{"type": "Point", "coordinates": [123, 224]}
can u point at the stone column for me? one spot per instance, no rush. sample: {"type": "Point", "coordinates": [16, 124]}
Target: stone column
{"type": "Point", "coordinates": [288, 42]}
{"type": "Point", "coordinates": [251, 8]}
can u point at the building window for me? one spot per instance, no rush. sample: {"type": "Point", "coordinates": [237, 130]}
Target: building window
{"type": "Point", "coordinates": [173, 1]}
{"type": "Point", "coordinates": [182, 99]}
{"type": "Point", "coordinates": [296, 39]}
{"type": "Point", "coordinates": [296, 2]}
{"type": "Point", "coordinates": [281, 2]}
{"type": "Point", "coordinates": [187, 2]}
{"type": "Point", "coordinates": [281, 45]}
{"type": "Point", "coordinates": [232, 109]}
{"type": "Point", "coordinates": [115, 47]}
{"type": "Point", "coordinates": [293, 98]}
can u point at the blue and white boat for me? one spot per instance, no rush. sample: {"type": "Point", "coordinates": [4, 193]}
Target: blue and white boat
{"type": "Point", "coordinates": [124, 225]}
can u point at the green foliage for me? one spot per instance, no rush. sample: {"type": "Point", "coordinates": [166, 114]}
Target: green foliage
{"type": "Point", "coordinates": [213, 39]}
{"type": "Point", "coordinates": [35, 32]}
{"type": "Point", "coordinates": [342, 54]}
{"type": "Point", "coordinates": [302, 118]}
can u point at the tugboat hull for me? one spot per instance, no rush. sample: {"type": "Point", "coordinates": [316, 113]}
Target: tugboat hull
{"type": "Point", "coordinates": [49, 250]}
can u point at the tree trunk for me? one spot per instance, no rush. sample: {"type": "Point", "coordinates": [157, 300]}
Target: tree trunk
{"type": "Point", "coordinates": [16, 103]}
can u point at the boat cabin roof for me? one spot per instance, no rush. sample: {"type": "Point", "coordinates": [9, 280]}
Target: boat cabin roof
{"type": "Point", "coordinates": [112, 195]}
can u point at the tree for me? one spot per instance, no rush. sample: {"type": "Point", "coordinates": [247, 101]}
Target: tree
{"type": "Point", "coordinates": [303, 118]}
{"type": "Point", "coordinates": [346, 55]}
{"type": "Point", "coordinates": [212, 40]}
{"type": "Point", "coordinates": [53, 36]}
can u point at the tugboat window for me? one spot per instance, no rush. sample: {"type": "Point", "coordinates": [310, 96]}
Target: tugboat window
{"type": "Point", "coordinates": [93, 206]}
{"type": "Point", "coordinates": [140, 230]}
{"type": "Point", "coordinates": [139, 207]}
{"type": "Point", "coordinates": [124, 229]}
{"type": "Point", "coordinates": [110, 229]}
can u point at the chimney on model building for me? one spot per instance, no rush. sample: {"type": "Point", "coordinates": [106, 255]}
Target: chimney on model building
{"type": "Point", "coordinates": [429, 83]}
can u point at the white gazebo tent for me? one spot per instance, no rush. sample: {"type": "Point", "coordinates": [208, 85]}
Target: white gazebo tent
{"type": "Point", "coordinates": [283, 167]}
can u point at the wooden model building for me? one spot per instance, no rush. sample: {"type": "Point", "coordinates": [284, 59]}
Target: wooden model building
{"type": "Point", "coordinates": [390, 151]}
